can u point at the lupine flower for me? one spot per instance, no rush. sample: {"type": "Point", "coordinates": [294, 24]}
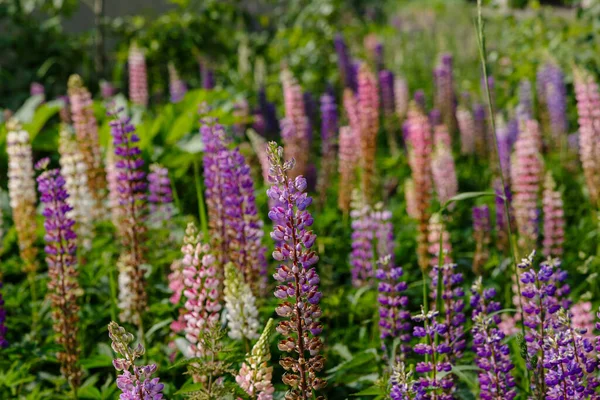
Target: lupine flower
{"type": "Point", "coordinates": [267, 113]}
{"type": "Point", "coordinates": [295, 129]}
{"type": "Point", "coordinates": [61, 249]}
{"type": "Point", "coordinates": [419, 142]}
{"type": "Point", "coordinates": [36, 89]}
{"type": "Point", "coordinates": [401, 97]}
{"type": "Point", "coordinates": [299, 280]}
{"type": "Point", "coordinates": [492, 356]}
{"type": "Point", "coordinates": [444, 173]}
{"type": "Point", "coordinates": [436, 380]}
{"type": "Point", "coordinates": [363, 236]}
{"type": "Point", "coordinates": [552, 94]}
{"type": "Point", "coordinates": [86, 130]}
{"type": "Point", "coordinates": [582, 318]}
{"type": "Point", "coordinates": [73, 168]}
{"type": "Point", "coordinates": [525, 107]}
{"type": "Point", "coordinates": [466, 126]}
{"type": "Point", "coordinates": [348, 159]}
{"type": "Point", "coordinates": [160, 196]}
{"type": "Point", "coordinates": [21, 190]}
{"type": "Point", "coordinates": [177, 86]}
{"type": "Point", "coordinates": [526, 175]}
{"type": "Point", "coordinates": [3, 330]}
{"type": "Point", "coordinates": [65, 111]}
{"type": "Point", "coordinates": [419, 99]}
{"type": "Point", "coordinates": [259, 144]}
{"type": "Point", "coordinates": [402, 383]}
{"type": "Point", "coordinates": [453, 315]}
{"type": "Point", "coordinates": [554, 219]}
{"type": "Point", "coordinates": [344, 63]}
{"type": "Point", "coordinates": [504, 146]}
{"type": "Point", "coordinates": [135, 382]}
{"type": "Point", "coordinates": [107, 90]}
{"type": "Point", "coordinates": [445, 98]}
{"type": "Point", "coordinates": [352, 111]}
{"type": "Point", "coordinates": [240, 303]}
{"type": "Point", "coordinates": [138, 80]}
{"type": "Point", "coordinates": [368, 112]}
{"type": "Point", "coordinates": [394, 319]}
{"type": "Point", "coordinates": [588, 101]}
{"type": "Point", "coordinates": [502, 193]}
{"type": "Point", "coordinates": [175, 279]}
{"type": "Point", "coordinates": [132, 201]}
{"type": "Point", "coordinates": [374, 49]}
{"type": "Point", "coordinates": [208, 76]}
{"type": "Point", "coordinates": [435, 229]}
{"type": "Point", "coordinates": [329, 129]}
{"type": "Point", "coordinates": [201, 291]}
{"type": "Point", "coordinates": [480, 130]}
{"type": "Point", "coordinates": [481, 233]}
{"type": "Point", "coordinates": [255, 375]}
{"type": "Point", "coordinates": [410, 194]}
{"type": "Point", "coordinates": [542, 296]}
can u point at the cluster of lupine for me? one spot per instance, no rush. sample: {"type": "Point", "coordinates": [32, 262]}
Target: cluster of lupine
{"type": "Point", "coordinates": [240, 303]}
{"type": "Point", "coordinates": [552, 96]}
{"type": "Point", "coordinates": [177, 87]}
{"type": "Point", "coordinates": [295, 127]}
{"type": "Point", "coordinates": [255, 375]}
{"type": "Point", "coordinates": [138, 81]}
{"type": "Point", "coordinates": [329, 129]}
{"type": "Point", "coordinates": [160, 195]}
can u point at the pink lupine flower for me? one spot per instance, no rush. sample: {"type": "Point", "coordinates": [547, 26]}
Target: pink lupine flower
{"type": "Point", "coordinates": [175, 279]}
{"type": "Point", "coordinates": [436, 228]}
{"type": "Point", "coordinates": [588, 104]}
{"type": "Point", "coordinates": [466, 126]}
{"type": "Point", "coordinates": [582, 317]}
{"type": "Point", "coordinates": [554, 219]}
{"type": "Point", "coordinates": [526, 174]}
{"type": "Point", "coordinates": [410, 194]}
{"type": "Point", "coordinates": [138, 80]}
{"type": "Point", "coordinates": [297, 126]}
{"type": "Point", "coordinates": [255, 375]}
{"type": "Point", "coordinates": [348, 158]}
{"type": "Point", "coordinates": [368, 111]}
{"type": "Point", "coordinates": [401, 97]}
{"type": "Point", "coordinates": [442, 167]}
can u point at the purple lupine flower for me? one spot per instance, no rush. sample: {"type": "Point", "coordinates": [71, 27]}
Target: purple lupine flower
{"type": "Point", "coordinates": [501, 216]}
{"type": "Point", "coordinates": [552, 93]}
{"type": "Point", "coordinates": [267, 113]}
{"type": "Point", "coordinates": [131, 188]}
{"type": "Point", "coordinates": [361, 257]}
{"type": "Point", "coordinates": [61, 249]}
{"type": "Point", "coordinates": [160, 194]}
{"type": "Point", "coordinates": [386, 86]}
{"type": "Point", "coordinates": [525, 107]}
{"type": "Point", "coordinates": [329, 129]}
{"type": "Point", "coordinates": [437, 353]}
{"type": "Point", "coordinates": [177, 86]}
{"type": "Point", "coordinates": [481, 233]}
{"type": "Point", "coordinates": [512, 131]}
{"type": "Point", "coordinates": [401, 382]}
{"type": "Point", "coordinates": [492, 356]}
{"type": "Point", "coordinates": [298, 278]}
{"type": "Point", "coordinates": [453, 315]}
{"type": "Point", "coordinates": [3, 341]}
{"type": "Point", "coordinates": [135, 382]}
{"type": "Point", "coordinates": [445, 98]}
{"type": "Point", "coordinates": [419, 99]}
{"type": "Point", "coordinates": [107, 90]}
{"type": "Point", "coordinates": [208, 77]}
{"type": "Point", "coordinates": [480, 129]}
{"type": "Point", "coordinates": [344, 64]}
{"type": "Point", "coordinates": [36, 89]}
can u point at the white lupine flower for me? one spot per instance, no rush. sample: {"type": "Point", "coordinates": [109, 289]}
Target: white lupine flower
{"type": "Point", "coordinates": [126, 296]}
{"type": "Point", "coordinates": [242, 314]}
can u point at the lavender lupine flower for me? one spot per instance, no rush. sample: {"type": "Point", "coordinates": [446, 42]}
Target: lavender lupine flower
{"type": "Point", "coordinates": [295, 128]}
{"type": "Point", "coordinates": [480, 130]}
{"type": "Point", "coordinates": [348, 160]}
{"type": "Point", "coordinates": [160, 194]}
{"type": "Point", "coordinates": [436, 381]}
{"type": "Point", "coordinates": [554, 219]}
{"type": "Point", "coordinates": [445, 98]}
{"type": "Point", "coordinates": [107, 90]}
{"type": "Point", "coordinates": [299, 280]}
{"type": "Point", "coordinates": [21, 191]}
{"type": "Point", "coordinates": [552, 94]}
{"type": "Point", "coordinates": [255, 375]}
{"type": "Point", "coordinates": [138, 80]}
{"type": "Point", "coordinates": [177, 86]}
{"type": "Point", "coordinates": [208, 76]}
{"type": "Point", "coordinates": [524, 109]}
{"type": "Point", "coordinates": [526, 176]}
{"type": "Point", "coordinates": [588, 102]}
{"type": "Point", "coordinates": [401, 97]}
{"type": "Point", "coordinates": [132, 201]}
{"type": "Point", "coordinates": [201, 291]}
{"type": "Point", "coordinates": [61, 248]}
{"type": "Point", "coordinates": [3, 330]}
{"type": "Point", "coordinates": [362, 255]}
{"type": "Point", "coordinates": [329, 129]}
{"type": "Point", "coordinates": [240, 303]}
{"type": "Point", "coordinates": [453, 314]}
{"type": "Point", "coordinates": [466, 126]}
{"type": "Point", "coordinates": [36, 89]}
{"type": "Point", "coordinates": [394, 319]}
{"type": "Point", "coordinates": [344, 63]}
{"type": "Point", "coordinates": [492, 356]}
{"type": "Point", "coordinates": [86, 130]}
{"type": "Point", "coordinates": [135, 382]}
{"type": "Point", "coordinates": [569, 362]}
{"type": "Point", "coordinates": [481, 233]}
{"type": "Point", "coordinates": [73, 168]}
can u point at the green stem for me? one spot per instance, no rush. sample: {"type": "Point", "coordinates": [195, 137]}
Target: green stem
{"type": "Point", "coordinates": [200, 197]}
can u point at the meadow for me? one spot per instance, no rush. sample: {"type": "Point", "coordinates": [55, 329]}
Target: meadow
{"type": "Point", "coordinates": [331, 200]}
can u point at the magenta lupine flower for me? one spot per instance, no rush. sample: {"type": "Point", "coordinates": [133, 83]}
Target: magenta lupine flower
{"type": "Point", "coordinates": [36, 89]}
{"type": "Point", "coordinates": [492, 356]}
{"type": "Point", "coordinates": [135, 382]}
{"type": "Point", "coordinates": [344, 63]}
{"type": "Point", "coordinates": [552, 94]}
{"type": "Point", "coordinates": [445, 98]}
{"type": "Point", "coordinates": [453, 314]}
{"type": "Point", "coordinates": [295, 139]}
{"type": "Point", "coordinates": [3, 330]}
{"type": "Point", "coordinates": [481, 233]}
{"type": "Point", "coordinates": [138, 80]}
{"type": "Point", "coordinates": [107, 90]}
{"type": "Point", "coordinates": [526, 176]}
{"type": "Point", "coordinates": [160, 194]}
{"type": "Point", "coordinates": [131, 187]}
{"type": "Point", "coordinates": [329, 129]}
{"type": "Point", "coordinates": [298, 278]}
{"type": "Point", "coordinates": [401, 97]}
{"type": "Point", "coordinates": [435, 379]}
{"type": "Point", "coordinates": [177, 86]}
{"type": "Point", "coordinates": [466, 127]}
{"type": "Point", "coordinates": [588, 102]}
{"type": "Point", "coordinates": [554, 218]}
{"type": "Point", "coordinates": [63, 287]}
{"type": "Point", "coordinates": [202, 283]}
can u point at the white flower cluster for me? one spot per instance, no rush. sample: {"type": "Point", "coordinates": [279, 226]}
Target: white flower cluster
{"type": "Point", "coordinates": [240, 303]}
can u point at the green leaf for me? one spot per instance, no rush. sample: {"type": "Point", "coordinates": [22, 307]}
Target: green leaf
{"type": "Point", "coordinates": [356, 361]}
{"type": "Point", "coordinates": [467, 196]}
{"type": "Point", "coordinates": [182, 126]}
{"type": "Point", "coordinates": [190, 387]}
{"type": "Point", "coordinates": [89, 392]}
{"type": "Point", "coordinates": [27, 110]}
{"type": "Point", "coordinates": [41, 116]}
{"type": "Point", "coordinates": [97, 361]}
{"type": "Point", "coordinates": [370, 391]}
